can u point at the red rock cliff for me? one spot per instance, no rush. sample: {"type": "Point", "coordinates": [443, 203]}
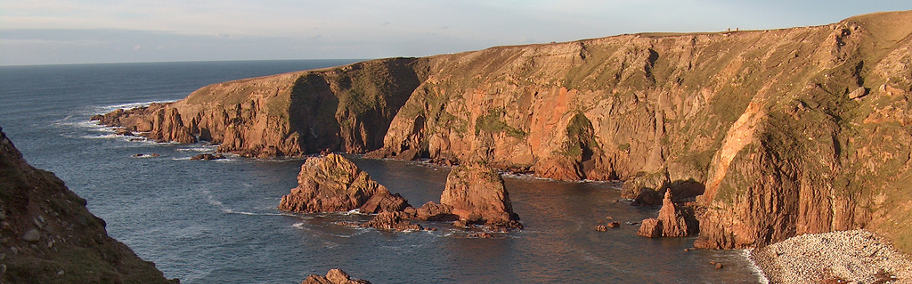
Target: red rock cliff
{"type": "Point", "coordinates": [788, 131]}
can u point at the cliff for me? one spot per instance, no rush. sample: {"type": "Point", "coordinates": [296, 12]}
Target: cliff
{"type": "Point", "coordinates": [340, 109]}
{"type": "Point", "coordinates": [49, 236]}
{"type": "Point", "coordinates": [783, 132]}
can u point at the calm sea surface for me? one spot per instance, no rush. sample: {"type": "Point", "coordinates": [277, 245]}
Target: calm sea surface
{"type": "Point", "coordinates": [216, 222]}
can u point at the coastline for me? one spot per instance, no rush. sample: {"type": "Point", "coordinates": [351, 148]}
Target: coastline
{"type": "Point", "coordinates": [843, 256]}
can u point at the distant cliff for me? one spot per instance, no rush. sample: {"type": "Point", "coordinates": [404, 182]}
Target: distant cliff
{"type": "Point", "coordinates": [788, 131]}
{"type": "Point", "coordinates": [49, 236]}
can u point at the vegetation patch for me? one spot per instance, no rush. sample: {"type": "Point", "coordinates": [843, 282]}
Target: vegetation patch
{"type": "Point", "coordinates": [491, 122]}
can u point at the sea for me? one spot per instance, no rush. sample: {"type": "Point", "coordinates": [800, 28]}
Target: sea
{"type": "Point", "coordinates": [217, 222]}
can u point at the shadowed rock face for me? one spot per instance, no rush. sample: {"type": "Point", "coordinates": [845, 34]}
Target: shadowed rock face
{"type": "Point", "coordinates": [50, 237]}
{"type": "Point", "coordinates": [341, 109]}
{"type": "Point", "coordinates": [784, 132]}
{"type": "Point", "coordinates": [476, 194]}
{"type": "Point", "coordinates": [335, 184]}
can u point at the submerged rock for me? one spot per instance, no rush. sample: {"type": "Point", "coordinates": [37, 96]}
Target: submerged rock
{"type": "Point", "coordinates": [335, 184]}
{"type": "Point", "coordinates": [476, 194]}
{"type": "Point", "coordinates": [392, 221]}
{"type": "Point", "coordinates": [431, 211]}
{"type": "Point", "coordinates": [334, 276]}
{"type": "Point", "coordinates": [208, 157]}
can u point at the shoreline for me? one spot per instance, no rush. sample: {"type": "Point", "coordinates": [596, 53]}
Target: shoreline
{"type": "Point", "coordinates": [838, 257]}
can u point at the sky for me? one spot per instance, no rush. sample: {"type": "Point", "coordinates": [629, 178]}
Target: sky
{"type": "Point", "coordinates": [110, 31]}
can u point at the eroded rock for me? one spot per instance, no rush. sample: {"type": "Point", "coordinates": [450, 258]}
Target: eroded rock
{"type": "Point", "coordinates": [392, 221]}
{"type": "Point", "coordinates": [476, 194]}
{"type": "Point", "coordinates": [333, 276]}
{"type": "Point", "coordinates": [673, 221]}
{"type": "Point", "coordinates": [335, 184]}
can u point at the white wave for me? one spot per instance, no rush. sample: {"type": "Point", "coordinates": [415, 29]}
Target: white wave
{"type": "Point", "coordinates": [143, 156]}
{"type": "Point", "coordinates": [352, 212]}
{"type": "Point", "coordinates": [299, 225]}
{"type": "Point", "coordinates": [110, 108]}
{"type": "Point", "coordinates": [181, 159]}
{"type": "Point", "coordinates": [200, 148]}
{"type": "Point", "coordinates": [761, 277]}
{"type": "Point", "coordinates": [104, 136]}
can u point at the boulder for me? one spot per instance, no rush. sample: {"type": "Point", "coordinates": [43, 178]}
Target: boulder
{"type": "Point", "coordinates": [601, 228]}
{"type": "Point", "coordinates": [650, 228]}
{"type": "Point", "coordinates": [208, 157]}
{"type": "Point", "coordinates": [335, 184]}
{"type": "Point", "coordinates": [334, 276]}
{"type": "Point", "coordinates": [431, 211]}
{"type": "Point", "coordinates": [476, 194]}
{"type": "Point", "coordinates": [123, 131]}
{"type": "Point", "coordinates": [392, 221]}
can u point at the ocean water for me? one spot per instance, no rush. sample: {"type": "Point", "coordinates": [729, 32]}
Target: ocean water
{"type": "Point", "coordinates": [216, 222]}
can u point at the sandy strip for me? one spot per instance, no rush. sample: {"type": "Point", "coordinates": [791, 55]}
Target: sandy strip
{"type": "Point", "coordinates": [836, 257]}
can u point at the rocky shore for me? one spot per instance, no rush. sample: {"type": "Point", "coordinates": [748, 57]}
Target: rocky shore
{"type": "Point", "coordinates": [856, 256]}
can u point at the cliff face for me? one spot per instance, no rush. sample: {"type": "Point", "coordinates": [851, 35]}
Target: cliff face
{"type": "Point", "coordinates": [341, 109]}
{"type": "Point", "coordinates": [788, 131]}
{"type": "Point", "coordinates": [49, 236]}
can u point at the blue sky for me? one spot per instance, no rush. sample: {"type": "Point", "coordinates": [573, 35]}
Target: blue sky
{"type": "Point", "coordinates": [102, 31]}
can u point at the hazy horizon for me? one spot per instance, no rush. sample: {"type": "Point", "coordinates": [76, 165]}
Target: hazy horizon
{"type": "Point", "coordinates": [95, 31]}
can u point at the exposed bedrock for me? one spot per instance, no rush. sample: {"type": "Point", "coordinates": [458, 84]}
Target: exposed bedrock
{"type": "Point", "coordinates": [333, 276]}
{"type": "Point", "coordinates": [476, 194]}
{"type": "Point", "coordinates": [335, 184]}
{"type": "Point", "coordinates": [783, 132]}
{"type": "Point", "coordinates": [346, 109]}
{"type": "Point", "coordinates": [673, 221]}
{"type": "Point", "coordinates": [49, 236]}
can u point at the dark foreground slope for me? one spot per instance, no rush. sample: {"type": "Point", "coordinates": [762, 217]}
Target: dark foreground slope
{"type": "Point", "coordinates": [787, 132]}
{"type": "Point", "coordinates": [48, 235]}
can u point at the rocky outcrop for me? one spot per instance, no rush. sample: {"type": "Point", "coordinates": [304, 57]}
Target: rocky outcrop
{"type": "Point", "coordinates": [333, 184]}
{"type": "Point", "coordinates": [207, 157]}
{"type": "Point", "coordinates": [784, 132]}
{"type": "Point", "coordinates": [392, 221]}
{"type": "Point", "coordinates": [49, 236]}
{"type": "Point", "coordinates": [431, 211]}
{"type": "Point", "coordinates": [334, 276]}
{"type": "Point", "coordinates": [673, 221]}
{"type": "Point", "coordinates": [476, 194]}
{"type": "Point", "coordinates": [346, 109]}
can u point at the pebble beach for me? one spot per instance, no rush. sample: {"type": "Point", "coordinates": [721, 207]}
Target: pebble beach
{"type": "Point", "coordinates": [856, 256]}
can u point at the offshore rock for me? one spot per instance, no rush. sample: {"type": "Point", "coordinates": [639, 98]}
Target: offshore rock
{"type": "Point", "coordinates": [431, 211]}
{"type": "Point", "coordinates": [673, 221]}
{"type": "Point", "coordinates": [476, 194]}
{"type": "Point", "coordinates": [81, 247]}
{"type": "Point", "coordinates": [207, 157]}
{"type": "Point", "coordinates": [334, 276]}
{"type": "Point", "coordinates": [392, 221]}
{"type": "Point", "coordinates": [335, 184]}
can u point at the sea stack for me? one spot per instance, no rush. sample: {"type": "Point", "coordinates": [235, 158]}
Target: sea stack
{"type": "Point", "coordinates": [673, 221]}
{"type": "Point", "coordinates": [476, 193]}
{"type": "Point", "coordinates": [334, 184]}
